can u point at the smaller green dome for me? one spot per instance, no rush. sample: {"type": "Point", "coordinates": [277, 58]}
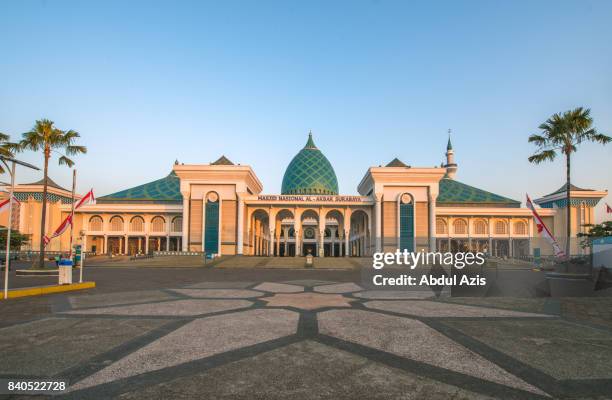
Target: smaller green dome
{"type": "Point", "coordinates": [310, 172]}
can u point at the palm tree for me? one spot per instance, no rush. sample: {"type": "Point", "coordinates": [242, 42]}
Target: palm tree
{"type": "Point", "coordinates": [563, 132]}
{"type": "Point", "coordinates": [7, 149]}
{"type": "Point", "coordinates": [46, 137]}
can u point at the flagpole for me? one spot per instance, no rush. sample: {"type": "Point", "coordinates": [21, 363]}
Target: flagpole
{"type": "Point", "coordinates": [8, 231]}
{"type": "Point", "coordinates": [72, 210]}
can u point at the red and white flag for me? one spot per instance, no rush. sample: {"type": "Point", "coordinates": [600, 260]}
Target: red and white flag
{"type": "Point", "coordinates": [60, 229]}
{"type": "Point", "coordinates": [608, 209]}
{"type": "Point", "coordinates": [88, 198]}
{"type": "Point", "coordinates": [4, 205]}
{"type": "Point", "coordinates": [543, 230]}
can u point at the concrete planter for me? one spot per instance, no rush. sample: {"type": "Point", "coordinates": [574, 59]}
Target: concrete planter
{"type": "Point", "coordinates": [563, 284]}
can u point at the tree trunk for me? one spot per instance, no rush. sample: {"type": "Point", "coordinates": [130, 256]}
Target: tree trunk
{"type": "Point", "coordinates": [41, 259]}
{"type": "Point", "coordinates": [569, 206]}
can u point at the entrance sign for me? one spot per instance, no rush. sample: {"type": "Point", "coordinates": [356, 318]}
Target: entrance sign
{"type": "Point", "coordinates": [313, 198]}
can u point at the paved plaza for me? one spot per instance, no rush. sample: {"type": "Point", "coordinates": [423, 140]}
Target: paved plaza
{"type": "Point", "coordinates": [303, 334]}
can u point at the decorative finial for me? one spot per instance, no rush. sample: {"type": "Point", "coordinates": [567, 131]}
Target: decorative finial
{"type": "Point", "coordinates": [310, 143]}
{"type": "Point", "coordinates": [449, 146]}
{"type": "Point", "coordinates": [176, 162]}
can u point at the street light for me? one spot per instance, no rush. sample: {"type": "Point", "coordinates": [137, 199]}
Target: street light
{"type": "Point", "coordinates": [10, 218]}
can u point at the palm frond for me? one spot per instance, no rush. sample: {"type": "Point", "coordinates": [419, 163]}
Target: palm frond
{"type": "Point", "coordinates": [72, 150]}
{"type": "Point", "coordinates": [546, 155]}
{"type": "Point", "coordinates": [63, 160]}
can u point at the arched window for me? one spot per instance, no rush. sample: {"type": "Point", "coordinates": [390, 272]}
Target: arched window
{"type": "Point", "coordinates": [116, 224]}
{"type": "Point", "coordinates": [177, 224]}
{"type": "Point", "coordinates": [480, 227]}
{"type": "Point", "coordinates": [460, 227]}
{"type": "Point", "coordinates": [158, 224]}
{"type": "Point", "coordinates": [441, 227]}
{"type": "Point", "coordinates": [95, 223]}
{"type": "Point", "coordinates": [520, 228]}
{"type": "Point", "coordinates": [500, 228]}
{"type": "Point", "coordinates": [137, 224]}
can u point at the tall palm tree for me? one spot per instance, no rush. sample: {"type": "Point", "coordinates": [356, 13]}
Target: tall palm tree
{"type": "Point", "coordinates": [47, 138]}
{"type": "Point", "coordinates": [563, 132]}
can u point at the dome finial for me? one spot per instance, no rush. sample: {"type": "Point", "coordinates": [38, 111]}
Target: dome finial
{"type": "Point", "coordinates": [449, 146]}
{"type": "Point", "coordinates": [310, 143]}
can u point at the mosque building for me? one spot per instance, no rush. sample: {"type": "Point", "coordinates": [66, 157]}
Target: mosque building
{"type": "Point", "coordinates": [219, 208]}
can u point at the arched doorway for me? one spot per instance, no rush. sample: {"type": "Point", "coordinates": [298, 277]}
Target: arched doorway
{"type": "Point", "coordinates": [334, 234]}
{"type": "Point", "coordinates": [284, 243]}
{"type": "Point", "coordinates": [359, 235]}
{"type": "Point", "coordinates": [310, 239]}
{"type": "Point", "coordinates": [260, 233]}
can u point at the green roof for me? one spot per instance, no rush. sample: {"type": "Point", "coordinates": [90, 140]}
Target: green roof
{"type": "Point", "coordinates": [165, 190]}
{"type": "Point", "coordinates": [573, 188]}
{"type": "Point", "coordinates": [310, 173]}
{"type": "Point", "coordinates": [454, 192]}
{"type": "Point", "coordinates": [449, 146]}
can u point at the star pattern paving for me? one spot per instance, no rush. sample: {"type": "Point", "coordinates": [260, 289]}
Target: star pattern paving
{"type": "Point", "coordinates": [203, 328]}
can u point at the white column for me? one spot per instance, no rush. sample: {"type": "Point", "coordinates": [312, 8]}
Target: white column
{"type": "Point", "coordinates": [432, 220]}
{"type": "Point", "coordinates": [185, 237]}
{"type": "Point", "coordinates": [240, 238]}
{"type": "Point", "coordinates": [146, 244]}
{"type": "Point", "coordinates": [346, 243]}
{"type": "Point", "coordinates": [271, 243]}
{"type": "Point", "coordinates": [530, 236]}
{"type": "Point", "coordinates": [105, 250]}
{"type": "Point", "coordinates": [333, 242]}
{"type": "Point", "coordinates": [168, 222]}
{"type": "Point", "coordinates": [378, 226]}
{"type": "Point", "coordinates": [297, 229]}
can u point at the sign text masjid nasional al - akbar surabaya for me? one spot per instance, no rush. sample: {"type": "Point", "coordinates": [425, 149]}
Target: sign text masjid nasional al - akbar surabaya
{"type": "Point", "coordinates": [317, 198]}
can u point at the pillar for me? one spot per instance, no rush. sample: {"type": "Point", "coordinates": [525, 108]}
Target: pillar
{"type": "Point", "coordinates": [346, 243]}
{"type": "Point", "coordinates": [240, 233]}
{"type": "Point", "coordinates": [105, 249]}
{"type": "Point", "coordinates": [146, 245]}
{"type": "Point", "coordinates": [432, 220]}
{"type": "Point", "coordinates": [185, 236]}
{"type": "Point", "coordinates": [297, 228]}
{"type": "Point", "coordinates": [378, 225]}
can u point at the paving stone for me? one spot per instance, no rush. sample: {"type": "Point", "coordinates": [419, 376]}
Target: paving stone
{"type": "Point", "coordinates": [169, 308]}
{"type": "Point", "coordinates": [338, 288]}
{"type": "Point", "coordinates": [199, 339]}
{"type": "Point", "coordinates": [305, 370]}
{"type": "Point", "coordinates": [424, 308]}
{"type": "Point", "coordinates": [533, 305]}
{"type": "Point", "coordinates": [279, 287]}
{"type": "Point", "coordinates": [220, 285]}
{"type": "Point", "coordinates": [307, 301]}
{"type": "Point", "coordinates": [309, 282]}
{"type": "Point", "coordinates": [395, 294]}
{"type": "Point", "coordinates": [111, 299]}
{"type": "Point", "coordinates": [561, 349]}
{"type": "Point", "coordinates": [219, 293]}
{"type": "Point", "coordinates": [49, 346]}
{"type": "Point", "coordinates": [415, 340]}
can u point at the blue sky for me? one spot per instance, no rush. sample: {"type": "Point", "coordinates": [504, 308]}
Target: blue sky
{"type": "Point", "coordinates": [148, 82]}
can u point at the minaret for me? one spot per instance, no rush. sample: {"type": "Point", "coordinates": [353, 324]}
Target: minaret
{"type": "Point", "coordinates": [451, 167]}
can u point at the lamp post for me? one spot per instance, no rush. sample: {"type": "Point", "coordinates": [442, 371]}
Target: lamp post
{"type": "Point", "coordinates": [10, 218]}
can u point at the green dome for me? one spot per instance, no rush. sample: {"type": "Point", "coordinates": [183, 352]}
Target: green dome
{"type": "Point", "coordinates": [310, 173]}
